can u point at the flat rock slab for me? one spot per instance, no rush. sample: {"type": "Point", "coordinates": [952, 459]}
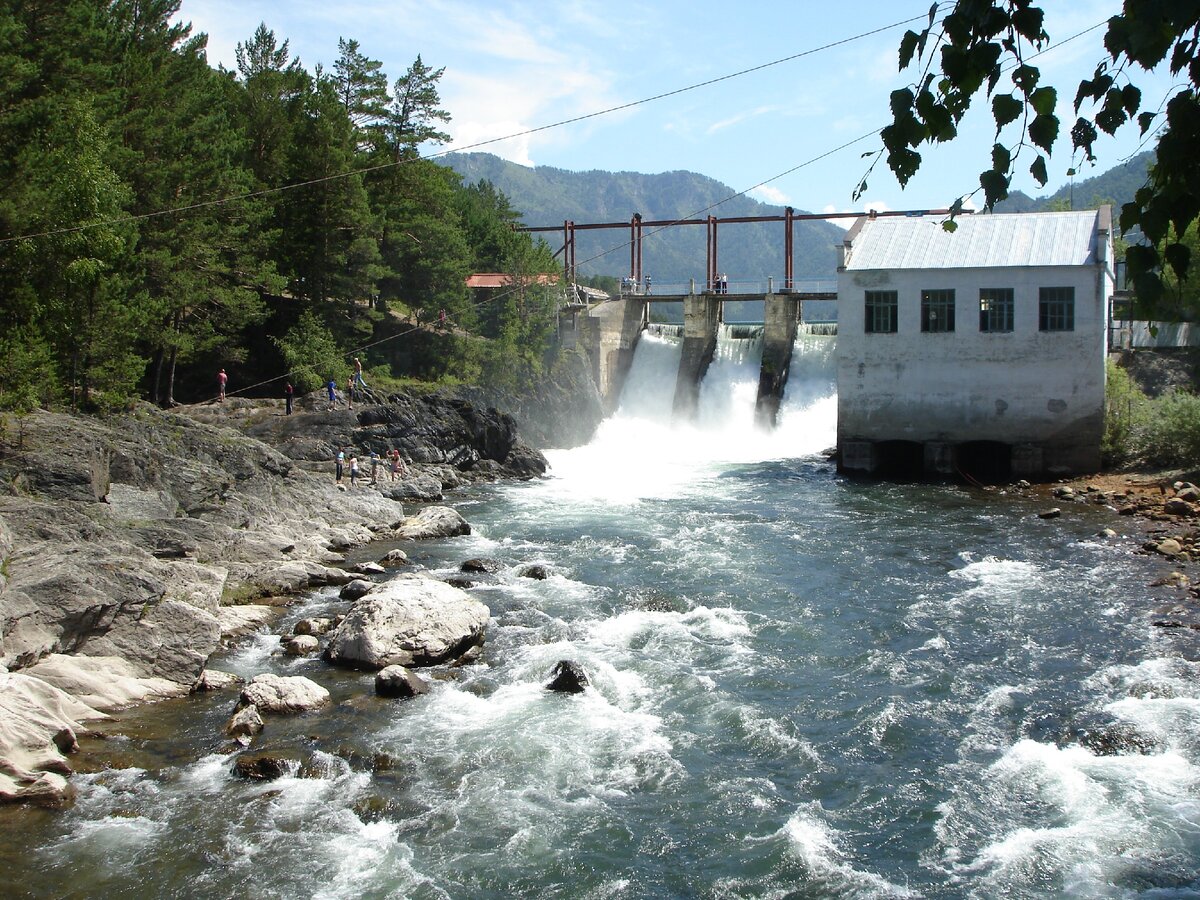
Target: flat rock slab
{"type": "Point", "coordinates": [409, 621]}
{"type": "Point", "coordinates": [104, 682]}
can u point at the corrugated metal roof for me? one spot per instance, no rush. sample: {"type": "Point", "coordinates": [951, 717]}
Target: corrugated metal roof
{"type": "Point", "coordinates": [981, 241]}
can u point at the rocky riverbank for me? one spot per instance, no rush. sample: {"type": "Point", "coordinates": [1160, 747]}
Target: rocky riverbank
{"type": "Point", "coordinates": [1166, 505]}
{"type": "Point", "coordinates": [132, 545]}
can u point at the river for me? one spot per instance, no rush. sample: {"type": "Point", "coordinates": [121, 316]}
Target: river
{"type": "Point", "coordinates": [802, 686]}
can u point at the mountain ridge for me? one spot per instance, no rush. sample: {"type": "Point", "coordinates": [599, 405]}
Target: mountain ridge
{"type": "Point", "coordinates": [546, 195]}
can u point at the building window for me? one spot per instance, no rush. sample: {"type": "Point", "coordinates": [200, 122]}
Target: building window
{"type": "Point", "coordinates": [881, 312]}
{"type": "Point", "coordinates": [1056, 309]}
{"type": "Point", "coordinates": [995, 309]}
{"type": "Point", "coordinates": [937, 310]}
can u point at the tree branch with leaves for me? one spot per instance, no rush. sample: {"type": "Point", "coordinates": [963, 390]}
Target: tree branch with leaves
{"type": "Point", "coordinates": [986, 47]}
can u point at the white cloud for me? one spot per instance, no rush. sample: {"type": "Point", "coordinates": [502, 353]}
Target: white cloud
{"type": "Point", "coordinates": [743, 116]}
{"type": "Point", "coordinates": [769, 194]}
{"type": "Point", "coordinates": [876, 205]}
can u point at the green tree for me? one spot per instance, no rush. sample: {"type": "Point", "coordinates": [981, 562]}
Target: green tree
{"type": "Point", "coordinates": [202, 271]}
{"type": "Point", "coordinates": [415, 110]}
{"type": "Point", "coordinates": [311, 353]}
{"type": "Point", "coordinates": [271, 102]}
{"type": "Point", "coordinates": [984, 46]}
{"type": "Point", "coordinates": [78, 308]}
{"type": "Point", "coordinates": [329, 246]}
{"type": "Point", "coordinates": [361, 86]}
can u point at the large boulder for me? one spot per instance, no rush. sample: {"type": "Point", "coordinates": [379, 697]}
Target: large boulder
{"type": "Point", "coordinates": [409, 621]}
{"type": "Point", "coordinates": [397, 681]}
{"type": "Point", "coordinates": [433, 522]}
{"type": "Point", "coordinates": [282, 695]}
{"type": "Point", "coordinates": [37, 725]}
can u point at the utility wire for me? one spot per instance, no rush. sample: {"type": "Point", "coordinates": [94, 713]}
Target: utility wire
{"type": "Point", "coordinates": [220, 201]}
{"type": "Point", "coordinates": [503, 295]}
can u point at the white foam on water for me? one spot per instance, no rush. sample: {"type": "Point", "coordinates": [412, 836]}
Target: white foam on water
{"type": "Point", "coordinates": [816, 845]}
{"type": "Point", "coordinates": [1099, 818]}
{"type": "Point", "coordinates": [208, 775]}
{"type": "Point", "coordinates": [998, 578]}
{"type": "Point", "coordinates": [118, 814]}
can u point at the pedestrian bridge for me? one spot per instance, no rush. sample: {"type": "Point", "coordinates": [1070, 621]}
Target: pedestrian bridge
{"type": "Point", "coordinates": [609, 331]}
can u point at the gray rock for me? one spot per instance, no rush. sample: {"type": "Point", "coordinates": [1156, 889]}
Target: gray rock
{"type": "Point", "coordinates": [38, 723]}
{"type": "Point", "coordinates": [479, 565]}
{"type": "Point", "coordinates": [1169, 547]}
{"type": "Point", "coordinates": [314, 626]}
{"type": "Point", "coordinates": [395, 557]}
{"type": "Point", "coordinates": [568, 677]}
{"type": "Point", "coordinates": [245, 722]}
{"type": "Point", "coordinates": [301, 645]}
{"type": "Point", "coordinates": [263, 767]}
{"type": "Point", "coordinates": [216, 680]}
{"type": "Point", "coordinates": [535, 571]}
{"type": "Point", "coordinates": [283, 695]}
{"type": "Point", "coordinates": [369, 568]}
{"type": "Point", "coordinates": [433, 522]}
{"type": "Point", "coordinates": [1052, 513]}
{"type": "Point", "coordinates": [409, 621]}
{"type": "Point", "coordinates": [397, 681]}
{"type": "Point", "coordinates": [1177, 506]}
{"type": "Point", "coordinates": [355, 589]}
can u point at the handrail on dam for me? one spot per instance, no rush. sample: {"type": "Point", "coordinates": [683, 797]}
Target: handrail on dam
{"type": "Point", "coordinates": [714, 280]}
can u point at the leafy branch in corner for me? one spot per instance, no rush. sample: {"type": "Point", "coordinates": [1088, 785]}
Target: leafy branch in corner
{"type": "Point", "coordinates": [985, 46]}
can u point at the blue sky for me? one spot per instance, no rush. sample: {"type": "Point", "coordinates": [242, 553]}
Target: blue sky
{"type": "Point", "coordinates": [512, 66]}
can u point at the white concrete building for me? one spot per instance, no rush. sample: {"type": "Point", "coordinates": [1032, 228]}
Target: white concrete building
{"type": "Point", "coordinates": [976, 352]}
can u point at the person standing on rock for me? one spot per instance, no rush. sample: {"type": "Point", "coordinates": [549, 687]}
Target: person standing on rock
{"type": "Point", "coordinates": [350, 393]}
{"type": "Point", "coordinates": [374, 467]}
{"type": "Point", "coordinates": [288, 393]}
{"type": "Point", "coordinates": [331, 390]}
{"type": "Point", "coordinates": [397, 464]}
{"type": "Point", "coordinates": [358, 374]}
{"type": "Point", "coordinates": [339, 463]}
{"type": "Point", "coordinates": [353, 471]}
{"type": "Point", "coordinates": [222, 379]}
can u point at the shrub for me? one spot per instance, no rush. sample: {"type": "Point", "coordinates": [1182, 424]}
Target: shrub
{"type": "Point", "coordinates": [311, 353]}
{"type": "Point", "coordinates": [1125, 408]}
{"type": "Point", "coordinates": [1170, 435]}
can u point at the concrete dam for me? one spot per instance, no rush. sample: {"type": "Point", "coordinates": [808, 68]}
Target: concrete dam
{"type": "Point", "coordinates": [609, 333]}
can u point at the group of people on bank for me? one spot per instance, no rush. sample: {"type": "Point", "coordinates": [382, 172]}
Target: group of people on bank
{"type": "Point", "coordinates": [346, 463]}
{"type": "Point", "coordinates": [354, 383]}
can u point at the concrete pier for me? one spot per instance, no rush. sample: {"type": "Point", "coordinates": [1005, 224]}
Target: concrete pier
{"type": "Point", "coordinates": [701, 319]}
{"type": "Point", "coordinates": [609, 333]}
{"type": "Point", "coordinates": [781, 318]}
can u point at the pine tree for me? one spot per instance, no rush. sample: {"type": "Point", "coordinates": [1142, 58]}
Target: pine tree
{"type": "Point", "coordinates": [415, 111]}
{"type": "Point", "coordinates": [362, 88]}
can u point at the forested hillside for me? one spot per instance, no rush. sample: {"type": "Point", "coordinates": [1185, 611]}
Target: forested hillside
{"type": "Point", "coordinates": [1115, 186]}
{"type": "Point", "coordinates": [162, 218]}
{"type": "Point", "coordinates": [548, 196]}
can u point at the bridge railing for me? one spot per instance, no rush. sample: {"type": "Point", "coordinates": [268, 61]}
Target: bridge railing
{"type": "Point", "coordinates": [769, 284]}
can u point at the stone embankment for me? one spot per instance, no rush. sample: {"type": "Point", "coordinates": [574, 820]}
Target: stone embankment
{"type": "Point", "coordinates": [131, 546]}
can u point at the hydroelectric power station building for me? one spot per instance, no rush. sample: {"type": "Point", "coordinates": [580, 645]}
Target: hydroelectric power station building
{"type": "Point", "coordinates": [973, 352]}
